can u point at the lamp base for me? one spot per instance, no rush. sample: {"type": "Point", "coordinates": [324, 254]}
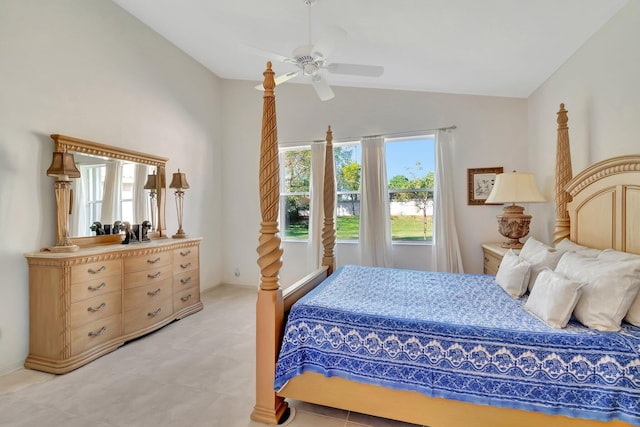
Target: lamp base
{"type": "Point", "coordinates": [512, 244]}
{"type": "Point", "coordinates": [179, 235]}
{"type": "Point", "coordinates": [514, 225]}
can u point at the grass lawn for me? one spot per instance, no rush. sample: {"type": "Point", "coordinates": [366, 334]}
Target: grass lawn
{"type": "Point", "coordinates": [403, 228]}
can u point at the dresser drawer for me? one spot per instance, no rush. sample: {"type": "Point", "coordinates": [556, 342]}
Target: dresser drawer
{"type": "Point", "coordinates": [183, 265]}
{"type": "Point", "coordinates": [144, 262]}
{"type": "Point", "coordinates": [185, 298]}
{"type": "Point", "coordinates": [95, 270]}
{"type": "Point", "coordinates": [188, 279]}
{"type": "Point", "coordinates": [143, 317]}
{"type": "Point", "coordinates": [147, 294]}
{"type": "Point", "coordinates": [94, 333]}
{"type": "Point", "coordinates": [92, 288]}
{"type": "Point", "coordinates": [185, 254]}
{"type": "Point", "coordinates": [92, 309]}
{"type": "Point", "coordinates": [153, 275]}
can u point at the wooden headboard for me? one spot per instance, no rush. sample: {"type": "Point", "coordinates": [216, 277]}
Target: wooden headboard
{"type": "Point", "coordinates": [605, 210]}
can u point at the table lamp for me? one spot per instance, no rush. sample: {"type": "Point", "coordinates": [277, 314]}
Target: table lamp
{"type": "Point", "coordinates": [63, 168]}
{"type": "Point", "coordinates": [514, 187]}
{"type": "Point", "coordinates": [179, 182]}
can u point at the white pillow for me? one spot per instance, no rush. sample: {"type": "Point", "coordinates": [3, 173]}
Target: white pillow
{"type": "Point", "coordinates": [633, 315]}
{"type": "Point", "coordinates": [513, 274]}
{"type": "Point", "coordinates": [567, 245]}
{"type": "Point", "coordinates": [553, 298]}
{"type": "Point", "coordinates": [614, 255]}
{"type": "Point", "coordinates": [611, 287]}
{"type": "Point", "coordinates": [540, 256]}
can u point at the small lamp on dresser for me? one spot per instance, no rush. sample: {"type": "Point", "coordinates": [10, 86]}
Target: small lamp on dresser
{"type": "Point", "coordinates": [63, 168]}
{"type": "Point", "coordinates": [152, 186]}
{"type": "Point", "coordinates": [179, 182]}
{"type": "Point", "coordinates": [514, 187]}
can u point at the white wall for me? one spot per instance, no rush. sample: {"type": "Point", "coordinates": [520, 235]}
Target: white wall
{"type": "Point", "coordinates": [600, 89]}
{"type": "Point", "coordinates": [86, 68]}
{"type": "Point", "coordinates": [491, 132]}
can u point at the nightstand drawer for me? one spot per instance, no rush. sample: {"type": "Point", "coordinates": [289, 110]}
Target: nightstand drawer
{"type": "Point", "coordinates": [491, 262]}
{"type": "Point", "coordinates": [492, 254]}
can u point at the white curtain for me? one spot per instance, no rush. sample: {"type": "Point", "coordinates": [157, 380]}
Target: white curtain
{"type": "Point", "coordinates": [78, 223]}
{"type": "Point", "coordinates": [111, 192]}
{"type": "Point", "coordinates": [375, 221]}
{"type": "Point", "coordinates": [141, 208]}
{"type": "Point", "coordinates": [316, 215]}
{"type": "Point", "coordinates": [446, 249]}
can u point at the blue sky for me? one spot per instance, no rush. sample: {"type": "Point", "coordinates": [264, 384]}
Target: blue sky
{"type": "Point", "coordinates": [405, 153]}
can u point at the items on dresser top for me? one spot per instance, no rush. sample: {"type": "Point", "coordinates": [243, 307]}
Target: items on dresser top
{"type": "Point", "coordinates": [85, 304]}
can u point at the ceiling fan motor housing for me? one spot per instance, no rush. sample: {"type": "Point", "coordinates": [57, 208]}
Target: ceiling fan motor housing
{"type": "Point", "coordinates": [306, 61]}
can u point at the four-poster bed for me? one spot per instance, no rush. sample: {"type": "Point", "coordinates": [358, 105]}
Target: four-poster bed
{"type": "Point", "coordinates": [608, 193]}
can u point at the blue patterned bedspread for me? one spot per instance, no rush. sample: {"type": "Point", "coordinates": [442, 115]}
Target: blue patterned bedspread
{"type": "Point", "coordinates": [459, 337]}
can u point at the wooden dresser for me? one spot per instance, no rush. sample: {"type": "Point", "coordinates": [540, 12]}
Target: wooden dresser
{"type": "Point", "coordinates": [85, 304]}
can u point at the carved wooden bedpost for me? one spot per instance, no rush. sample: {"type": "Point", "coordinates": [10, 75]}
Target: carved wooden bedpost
{"type": "Point", "coordinates": [269, 407]}
{"type": "Point", "coordinates": [329, 195]}
{"type": "Point", "coordinates": [563, 176]}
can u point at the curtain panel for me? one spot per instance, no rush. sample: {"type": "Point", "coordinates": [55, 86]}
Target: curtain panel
{"type": "Point", "coordinates": [446, 248]}
{"type": "Point", "coordinates": [375, 221]}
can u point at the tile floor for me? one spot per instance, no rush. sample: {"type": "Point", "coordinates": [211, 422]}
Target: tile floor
{"type": "Point", "coordinates": [196, 372]}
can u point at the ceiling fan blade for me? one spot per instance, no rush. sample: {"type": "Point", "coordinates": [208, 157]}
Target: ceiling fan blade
{"type": "Point", "coordinates": [356, 70]}
{"type": "Point", "coordinates": [322, 88]}
{"type": "Point", "coordinates": [281, 79]}
{"type": "Point", "coordinates": [327, 42]}
{"type": "Point", "coordinates": [268, 55]}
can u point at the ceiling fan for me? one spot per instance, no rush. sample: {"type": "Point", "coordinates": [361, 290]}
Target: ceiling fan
{"type": "Point", "coordinates": [312, 58]}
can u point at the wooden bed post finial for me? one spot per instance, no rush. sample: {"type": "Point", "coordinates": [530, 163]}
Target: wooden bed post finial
{"type": "Point", "coordinates": [269, 408]}
{"type": "Point", "coordinates": [329, 195]}
{"type": "Point", "coordinates": [562, 177]}
{"type": "Point", "coordinates": [269, 82]}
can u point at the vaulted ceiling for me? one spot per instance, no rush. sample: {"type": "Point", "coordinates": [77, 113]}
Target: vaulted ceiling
{"type": "Point", "coordinates": [483, 47]}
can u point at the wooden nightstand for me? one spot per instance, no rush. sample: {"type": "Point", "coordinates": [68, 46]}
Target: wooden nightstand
{"type": "Point", "coordinates": [492, 254]}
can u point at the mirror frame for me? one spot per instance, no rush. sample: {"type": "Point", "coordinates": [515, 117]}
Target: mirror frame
{"type": "Point", "coordinates": [70, 144]}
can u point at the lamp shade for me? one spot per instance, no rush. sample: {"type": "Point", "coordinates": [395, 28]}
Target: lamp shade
{"type": "Point", "coordinates": [151, 183]}
{"type": "Point", "coordinates": [515, 187]}
{"type": "Point", "coordinates": [63, 165]}
{"type": "Point", "coordinates": [179, 181]}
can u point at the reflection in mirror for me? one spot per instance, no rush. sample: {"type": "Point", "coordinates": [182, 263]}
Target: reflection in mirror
{"type": "Point", "coordinates": [107, 191]}
{"type": "Point", "coordinates": [96, 200]}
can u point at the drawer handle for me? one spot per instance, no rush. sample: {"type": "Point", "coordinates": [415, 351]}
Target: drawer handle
{"type": "Point", "coordinates": [92, 271]}
{"type": "Point", "coordinates": [187, 265]}
{"type": "Point", "coordinates": [185, 281]}
{"type": "Point", "coordinates": [153, 293]}
{"type": "Point", "coordinates": [98, 308]}
{"type": "Point", "coordinates": [97, 334]}
{"type": "Point", "coordinates": [153, 261]}
{"type": "Point", "coordinates": [486, 259]}
{"type": "Point", "coordinates": [154, 276]}
{"type": "Point", "coordinates": [185, 253]}
{"type": "Point", "coordinates": [185, 299]}
{"type": "Point", "coordinates": [155, 313]}
{"type": "Point", "coordinates": [93, 288]}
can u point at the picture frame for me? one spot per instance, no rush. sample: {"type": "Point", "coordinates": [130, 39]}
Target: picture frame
{"type": "Point", "coordinates": [479, 184]}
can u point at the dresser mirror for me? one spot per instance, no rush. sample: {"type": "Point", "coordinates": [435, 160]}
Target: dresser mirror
{"type": "Point", "coordinates": [113, 186]}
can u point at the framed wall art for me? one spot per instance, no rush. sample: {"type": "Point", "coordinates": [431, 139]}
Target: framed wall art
{"type": "Point", "coordinates": [479, 184]}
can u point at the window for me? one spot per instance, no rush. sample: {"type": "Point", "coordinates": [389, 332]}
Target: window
{"type": "Point", "coordinates": [294, 194]}
{"type": "Point", "coordinates": [410, 171]}
{"type": "Point", "coordinates": [347, 167]}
